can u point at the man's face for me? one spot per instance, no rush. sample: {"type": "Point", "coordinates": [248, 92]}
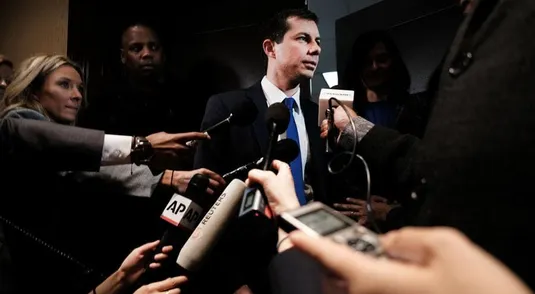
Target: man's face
{"type": "Point", "coordinates": [141, 52]}
{"type": "Point", "coordinates": [297, 56]}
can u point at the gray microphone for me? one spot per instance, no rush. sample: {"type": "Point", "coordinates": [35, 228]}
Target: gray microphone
{"type": "Point", "coordinates": [204, 238]}
{"type": "Point", "coordinates": [285, 150]}
{"type": "Point", "coordinates": [240, 115]}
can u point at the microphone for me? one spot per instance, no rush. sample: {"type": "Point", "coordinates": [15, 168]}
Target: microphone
{"type": "Point", "coordinates": [254, 200]}
{"type": "Point", "coordinates": [326, 111]}
{"type": "Point", "coordinates": [240, 115]}
{"type": "Point", "coordinates": [242, 169]}
{"type": "Point", "coordinates": [183, 214]}
{"type": "Point", "coordinates": [205, 237]}
{"type": "Point", "coordinates": [277, 120]}
{"type": "Point", "coordinates": [285, 150]}
{"type": "Point", "coordinates": [330, 118]}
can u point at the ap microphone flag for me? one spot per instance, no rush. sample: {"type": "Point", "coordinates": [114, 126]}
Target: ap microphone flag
{"type": "Point", "coordinates": [182, 212]}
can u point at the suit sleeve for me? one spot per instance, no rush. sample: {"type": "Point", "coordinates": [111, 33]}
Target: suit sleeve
{"type": "Point", "coordinates": [44, 144]}
{"type": "Point", "coordinates": [294, 272]}
{"type": "Point", "coordinates": [210, 154]}
{"type": "Point", "coordinates": [393, 159]}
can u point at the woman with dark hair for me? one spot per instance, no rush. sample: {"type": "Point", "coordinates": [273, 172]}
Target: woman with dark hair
{"type": "Point", "coordinates": [381, 81]}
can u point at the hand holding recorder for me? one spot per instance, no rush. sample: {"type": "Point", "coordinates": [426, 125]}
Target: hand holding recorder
{"type": "Point", "coordinates": [430, 260]}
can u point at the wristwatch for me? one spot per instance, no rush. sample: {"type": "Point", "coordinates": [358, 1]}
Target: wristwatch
{"type": "Point", "coordinates": [142, 151]}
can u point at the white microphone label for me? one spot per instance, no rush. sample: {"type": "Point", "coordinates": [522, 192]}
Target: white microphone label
{"type": "Point", "coordinates": [181, 211]}
{"type": "Point", "coordinates": [344, 96]}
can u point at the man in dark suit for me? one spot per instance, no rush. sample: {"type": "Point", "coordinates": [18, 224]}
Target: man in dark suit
{"type": "Point", "coordinates": [292, 48]}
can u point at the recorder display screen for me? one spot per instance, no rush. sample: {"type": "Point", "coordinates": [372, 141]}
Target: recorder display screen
{"type": "Point", "coordinates": [322, 222]}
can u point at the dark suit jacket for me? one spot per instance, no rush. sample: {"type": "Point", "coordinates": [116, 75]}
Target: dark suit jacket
{"type": "Point", "coordinates": [39, 146]}
{"type": "Point", "coordinates": [237, 146]}
{"type": "Point", "coordinates": [294, 272]}
{"type": "Point", "coordinates": [478, 151]}
{"type": "Point", "coordinates": [50, 146]}
{"type": "Point", "coordinates": [232, 262]}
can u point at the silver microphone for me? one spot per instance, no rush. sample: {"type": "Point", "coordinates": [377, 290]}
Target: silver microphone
{"type": "Point", "coordinates": [205, 237]}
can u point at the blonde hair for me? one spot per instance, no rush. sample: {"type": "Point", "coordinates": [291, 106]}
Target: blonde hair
{"type": "Point", "coordinates": [28, 79]}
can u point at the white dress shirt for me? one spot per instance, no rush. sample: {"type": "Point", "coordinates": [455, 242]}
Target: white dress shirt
{"type": "Point", "coordinates": [116, 168]}
{"type": "Point", "coordinates": [274, 95]}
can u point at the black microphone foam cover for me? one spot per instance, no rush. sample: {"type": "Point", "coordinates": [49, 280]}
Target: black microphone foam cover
{"type": "Point", "coordinates": [279, 114]}
{"type": "Point", "coordinates": [286, 150]}
{"type": "Point", "coordinates": [198, 183]}
{"type": "Point", "coordinates": [244, 113]}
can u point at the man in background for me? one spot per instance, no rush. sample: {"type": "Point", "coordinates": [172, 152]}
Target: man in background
{"type": "Point", "coordinates": [145, 98]}
{"type": "Point", "coordinates": [142, 101]}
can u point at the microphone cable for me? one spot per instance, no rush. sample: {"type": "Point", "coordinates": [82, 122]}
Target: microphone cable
{"type": "Point", "coordinates": [352, 155]}
{"type": "Point", "coordinates": [88, 272]}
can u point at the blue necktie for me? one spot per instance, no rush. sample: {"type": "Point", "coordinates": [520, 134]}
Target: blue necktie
{"type": "Point", "coordinates": [296, 165]}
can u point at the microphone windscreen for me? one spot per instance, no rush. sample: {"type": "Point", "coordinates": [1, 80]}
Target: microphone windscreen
{"type": "Point", "coordinates": [244, 113]}
{"type": "Point", "coordinates": [279, 115]}
{"type": "Point", "coordinates": [198, 247]}
{"type": "Point", "coordinates": [198, 184]}
{"type": "Point", "coordinates": [286, 150]}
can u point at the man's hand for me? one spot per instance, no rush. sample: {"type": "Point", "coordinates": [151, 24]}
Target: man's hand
{"type": "Point", "coordinates": [168, 286]}
{"type": "Point", "coordinates": [279, 189]}
{"type": "Point", "coordinates": [341, 120]}
{"type": "Point", "coordinates": [134, 264]}
{"type": "Point", "coordinates": [430, 260]}
{"type": "Point", "coordinates": [179, 180]}
{"type": "Point", "coordinates": [356, 208]}
{"type": "Point", "coordinates": [170, 150]}
{"type": "Point", "coordinates": [133, 267]}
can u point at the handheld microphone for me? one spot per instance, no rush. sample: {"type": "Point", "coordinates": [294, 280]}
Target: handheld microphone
{"type": "Point", "coordinates": [254, 202]}
{"type": "Point", "coordinates": [183, 213]}
{"type": "Point", "coordinates": [205, 237]}
{"type": "Point", "coordinates": [241, 115]}
{"type": "Point", "coordinates": [330, 118]}
{"type": "Point", "coordinates": [286, 150]}
{"type": "Point", "coordinates": [242, 169]}
{"type": "Point", "coordinates": [326, 111]}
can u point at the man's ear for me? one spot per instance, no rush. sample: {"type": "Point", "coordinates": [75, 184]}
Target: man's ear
{"type": "Point", "coordinates": [123, 56]}
{"type": "Point", "coordinates": [269, 48]}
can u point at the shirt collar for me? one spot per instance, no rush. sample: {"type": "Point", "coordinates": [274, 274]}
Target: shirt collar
{"type": "Point", "coordinates": [274, 94]}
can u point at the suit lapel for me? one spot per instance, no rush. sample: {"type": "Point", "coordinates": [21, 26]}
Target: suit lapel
{"type": "Point", "coordinates": [317, 166]}
{"type": "Point", "coordinates": [476, 27]}
{"type": "Point", "coordinates": [256, 94]}
{"type": "Point", "coordinates": [310, 112]}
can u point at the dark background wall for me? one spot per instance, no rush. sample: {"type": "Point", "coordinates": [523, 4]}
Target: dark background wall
{"type": "Point", "coordinates": [212, 46]}
{"type": "Point", "coordinates": [422, 29]}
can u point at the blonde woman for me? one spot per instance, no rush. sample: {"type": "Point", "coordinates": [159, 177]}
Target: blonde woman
{"type": "Point", "coordinates": [50, 87]}
{"type": "Point", "coordinates": [46, 87]}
